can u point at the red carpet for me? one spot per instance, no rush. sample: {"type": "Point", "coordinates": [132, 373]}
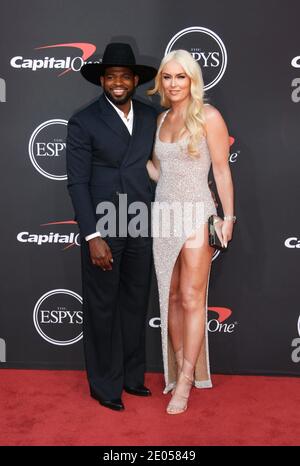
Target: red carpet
{"type": "Point", "coordinates": [54, 408]}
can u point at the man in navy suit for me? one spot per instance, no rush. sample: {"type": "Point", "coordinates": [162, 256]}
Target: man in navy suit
{"type": "Point", "coordinates": [108, 145]}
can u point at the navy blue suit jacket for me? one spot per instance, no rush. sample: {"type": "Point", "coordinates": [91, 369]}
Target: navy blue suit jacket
{"type": "Point", "coordinates": [103, 159]}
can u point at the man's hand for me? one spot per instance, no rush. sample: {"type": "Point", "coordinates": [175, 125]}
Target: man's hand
{"type": "Point", "coordinates": [100, 253]}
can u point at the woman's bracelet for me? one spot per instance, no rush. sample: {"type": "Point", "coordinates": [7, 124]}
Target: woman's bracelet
{"type": "Point", "coordinates": [231, 218]}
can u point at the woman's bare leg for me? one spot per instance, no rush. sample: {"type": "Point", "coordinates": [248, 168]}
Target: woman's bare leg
{"type": "Point", "coordinates": [175, 317]}
{"type": "Point", "coordinates": [194, 269]}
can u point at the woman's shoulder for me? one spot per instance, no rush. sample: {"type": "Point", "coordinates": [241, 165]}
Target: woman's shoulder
{"type": "Point", "coordinates": [214, 122]}
{"type": "Point", "coordinates": [212, 115]}
{"type": "Point", "coordinates": [210, 112]}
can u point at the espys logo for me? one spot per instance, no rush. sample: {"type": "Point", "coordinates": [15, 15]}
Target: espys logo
{"type": "Point", "coordinates": [2, 350]}
{"type": "Point", "coordinates": [214, 325]}
{"type": "Point", "coordinates": [207, 48]}
{"type": "Point", "coordinates": [47, 149]}
{"type": "Point", "coordinates": [2, 90]}
{"type": "Point", "coordinates": [295, 356]}
{"type": "Point", "coordinates": [67, 63]}
{"type": "Point", "coordinates": [68, 240]}
{"type": "Point", "coordinates": [57, 317]}
{"type": "Point", "coordinates": [292, 243]}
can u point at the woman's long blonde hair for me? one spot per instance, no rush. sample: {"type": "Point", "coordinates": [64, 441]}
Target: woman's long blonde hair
{"type": "Point", "coordinates": [193, 118]}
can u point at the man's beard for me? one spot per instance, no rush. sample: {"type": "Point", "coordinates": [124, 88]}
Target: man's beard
{"type": "Point", "coordinates": [122, 100]}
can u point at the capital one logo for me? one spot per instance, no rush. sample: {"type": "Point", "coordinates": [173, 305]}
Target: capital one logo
{"type": "Point", "coordinates": [207, 48]}
{"type": "Point", "coordinates": [57, 317]}
{"type": "Point", "coordinates": [2, 90]}
{"type": "Point", "coordinates": [67, 63]}
{"type": "Point", "coordinates": [218, 325]}
{"type": "Point", "coordinates": [65, 239]}
{"type": "Point", "coordinates": [292, 243]}
{"type": "Point", "coordinates": [295, 356]}
{"type": "Point", "coordinates": [47, 149]}
{"type": "Point", "coordinates": [214, 325]}
{"type": "Point", "coordinates": [233, 155]}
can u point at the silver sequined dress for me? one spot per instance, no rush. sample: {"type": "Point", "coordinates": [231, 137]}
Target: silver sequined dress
{"type": "Point", "coordinates": [183, 179]}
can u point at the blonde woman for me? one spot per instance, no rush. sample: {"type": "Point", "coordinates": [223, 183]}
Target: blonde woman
{"type": "Point", "coordinates": [190, 137]}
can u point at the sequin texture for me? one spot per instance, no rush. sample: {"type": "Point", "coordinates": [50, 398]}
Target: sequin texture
{"type": "Point", "coordinates": [183, 179]}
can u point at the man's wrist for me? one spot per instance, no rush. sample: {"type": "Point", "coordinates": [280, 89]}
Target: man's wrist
{"type": "Point", "coordinates": [92, 236]}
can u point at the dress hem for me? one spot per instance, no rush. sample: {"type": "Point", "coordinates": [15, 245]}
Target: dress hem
{"type": "Point", "coordinates": [197, 384]}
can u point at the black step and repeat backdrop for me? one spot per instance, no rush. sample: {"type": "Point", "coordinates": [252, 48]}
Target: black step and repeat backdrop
{"type": "Point", "coordinates": [250, 55]}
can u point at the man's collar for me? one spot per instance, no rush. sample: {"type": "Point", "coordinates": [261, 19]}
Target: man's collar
{"type": "Point", "coordinates": [120, 112]}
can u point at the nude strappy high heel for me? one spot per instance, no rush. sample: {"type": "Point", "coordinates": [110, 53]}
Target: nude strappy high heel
{"type": "Point", "coordinates": [179, 401]}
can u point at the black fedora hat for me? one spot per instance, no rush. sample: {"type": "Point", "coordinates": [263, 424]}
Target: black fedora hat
{"type": "Point", "coordinates": [116, 54]}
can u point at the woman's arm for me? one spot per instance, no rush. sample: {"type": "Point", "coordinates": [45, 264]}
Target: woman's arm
{"type": "Point", "coordinates": [153, 168]}
{"type": "Point", "coordinates": [218, 143]}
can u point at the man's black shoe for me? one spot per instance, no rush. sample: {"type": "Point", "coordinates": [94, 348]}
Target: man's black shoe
{"type": "Point", "coordinates": [139, 390]}
{"type": "Point", "coordinates": [115, 404]}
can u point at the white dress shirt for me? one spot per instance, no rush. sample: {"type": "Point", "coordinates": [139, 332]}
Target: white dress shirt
{"type": "Point", "coordinates": [128, 122]}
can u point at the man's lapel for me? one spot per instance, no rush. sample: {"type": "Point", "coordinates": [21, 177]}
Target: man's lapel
{"type": "Point", "coordinates": [136, 131]}
{"type": "Point", "coordinates": [137, 121]}
{"type": "Point", "coordinates": [112, 119]}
